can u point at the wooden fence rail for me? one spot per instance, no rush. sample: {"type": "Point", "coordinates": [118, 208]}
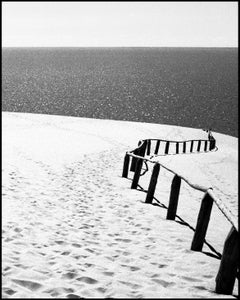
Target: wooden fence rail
{"type": "Point", "coordinates": [153, 147]}
{"type": "Point", "coordinates": [229, 263]}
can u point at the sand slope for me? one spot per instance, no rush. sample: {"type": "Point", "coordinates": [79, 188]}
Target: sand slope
{"type": "Point", "coordinates": [73, 228]}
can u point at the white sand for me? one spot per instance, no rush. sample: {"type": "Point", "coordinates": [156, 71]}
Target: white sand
{"type": "Point", "coordinates": [72, 227]}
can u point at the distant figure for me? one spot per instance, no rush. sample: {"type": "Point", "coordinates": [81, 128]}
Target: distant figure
{"type": "Point", "coordinates": [211, 139]}
{"type": "Point", "coordinates": [210, 136]}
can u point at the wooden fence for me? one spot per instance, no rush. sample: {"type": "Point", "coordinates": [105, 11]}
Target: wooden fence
{"type": "Point", "coordinates": [146, 152]}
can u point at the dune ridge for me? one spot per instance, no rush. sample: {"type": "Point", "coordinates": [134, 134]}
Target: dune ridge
{"type": "Point", "coordinates": [72, 228]}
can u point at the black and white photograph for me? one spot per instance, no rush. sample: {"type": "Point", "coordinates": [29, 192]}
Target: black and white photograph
{"type": "Point", "coordinates": [120, 149]}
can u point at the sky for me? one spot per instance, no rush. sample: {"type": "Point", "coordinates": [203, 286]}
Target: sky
{"type": "Point", "coordinates": [120, 24]}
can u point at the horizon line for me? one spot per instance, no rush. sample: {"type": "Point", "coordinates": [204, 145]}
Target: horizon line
{"type": "Point", "coordinates": [120, 47]}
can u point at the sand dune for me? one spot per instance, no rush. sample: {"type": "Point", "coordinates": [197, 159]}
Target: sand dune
{"type": "Point", "coordinates": [73, 228]}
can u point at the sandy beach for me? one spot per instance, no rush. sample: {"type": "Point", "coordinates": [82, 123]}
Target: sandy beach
{"type": "Point", "coordinates": [73, 228]}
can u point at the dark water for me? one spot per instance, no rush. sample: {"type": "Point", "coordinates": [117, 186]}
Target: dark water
{"type": "Point", "coordinates": [193, 87]}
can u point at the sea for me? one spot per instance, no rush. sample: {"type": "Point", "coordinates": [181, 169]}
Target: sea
{"type": "Point", "coordinates": [191, 87]}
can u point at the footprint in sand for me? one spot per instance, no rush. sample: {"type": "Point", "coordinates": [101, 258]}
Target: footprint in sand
{"type": "Point", "coordinates": [133, 268]}
{"type": "Point", "coordinates": [162, 266]}
{"type": "Point", "coordinates": [201, 288]}
{"type": "Point", "coordinates": [155, 275]}
{"type": "Point", "coordinates": [17, 229]}
{"type": "Point", "coordinates": [126, 253]}
{"type": "Point", "coordinates": [90, 250]}
{"type": "Point", "coordinates": [8, 240]}
{"type": "Point", "coordinates": [132, 285]}
{"type": "Point", "coordinates": [60, 242]}
{"type": "Point", "coordinates": [55, 292]}
{"type": "Point", "coordinates": [66, 253]}
{"type": "Point", "coordinates": [208, 276]}
{"type": "Point", "coordinates": [163, 282]}
{"type": "Point", "coordinates": [88, 265]}
{"type": "Point", "coordinates": [88, 280]}
{"type": "Point", "coordinates": [191, 279]}
{"type": "Point", "coordinates": [101, 290]}
{"type": "Point", "coordinates": [76, 245]}
{"type": "Point", "coordinates": [73, 296]}
{"type": "Point", "coordinates": [31, 285]}
{"type": "Point", "coordinates": [107, 273]}
{"type": "Point", "coordinates": [69, 275]}
{"type": "Point", "coordinates": [123, 240]}
{"type": "Point", "coordinates": [8, 291]}
{"type": "Point", "coordinates": [21, 266]}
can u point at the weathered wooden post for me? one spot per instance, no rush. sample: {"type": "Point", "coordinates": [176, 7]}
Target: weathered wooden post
{"type": "Point", "coordinates": [152, 184]}
{"type": "Point", "coordinates": [191, 147]}
{"type": "Point", "coordinates": [229, 264]}
{"type": "Point", "coordinates": [177, 147]}
{"type": "Point", "coordinates": [143, 149]}
{"type": "Point", "coordinates": [167, 147]}
{"type": "Point", "coordinates": [157, 147]}
{"type": "Point", "coordinates": [202, 223]}
{"type": "Point", "coordinates": [212, 143]}
{"type": "Point", "coordinates": [199, 146]}
{"type": "Point", "coordinates": [173, 201]}
{"type": "Point", "coordinates": [140, 152]}
{"type": "Point", "coordinates": [184, 147]}
{"type": "Point", "coordinates": [134, 160]}
{"type": "Point", "coordinates": [205, 145]}
{"type": "Point", "coordinates": [137, 173]}
{"type": "Point", "coordinates": [133, 164]}
{"type": "Point", "coordinates": [148, 147]}
{"type": "Point", "coordinates": [125, 166]}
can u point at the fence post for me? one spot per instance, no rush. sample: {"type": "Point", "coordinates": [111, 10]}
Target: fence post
{"type": "Point", "coordinates": [177, 147]}
{"type": "Point", "coordinates": [143, 149]}
{"type": "Point", "coordinates": [184, 147]}
{"type": "Point", "coordinates": [202, 223]}
{"type": "Point", "coordinates": [191, 148]}
{"type": "Point", "coordinates": [205, 146]}
{"type": "Point", "coordinates": [167, 147]}
{"type": "Point", "coordinates": [212, 144]}
{"type": "Point", "coordinates": [157, 147]}
{"type": "Point", "coordinates": [228, 267]}
{"type": "Point", "coordinates": [152, 184]}
{"type": "Point", "coordinates": [137, 173]}
{"type": "Point", "coordinates": [139, 151]}
{"type": "Point", "coordinates": [134, 160]}
{"type": "Point", "coordinates": [148, 147]}
{"type": "Point", "coordinates": [133, 163]}
{"type": "Point", "coordinates": [125, 166]}
{"type": "Point", "coordinates": [173, 201]}
{"type": "Point", "coordinates": [199, 146]}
